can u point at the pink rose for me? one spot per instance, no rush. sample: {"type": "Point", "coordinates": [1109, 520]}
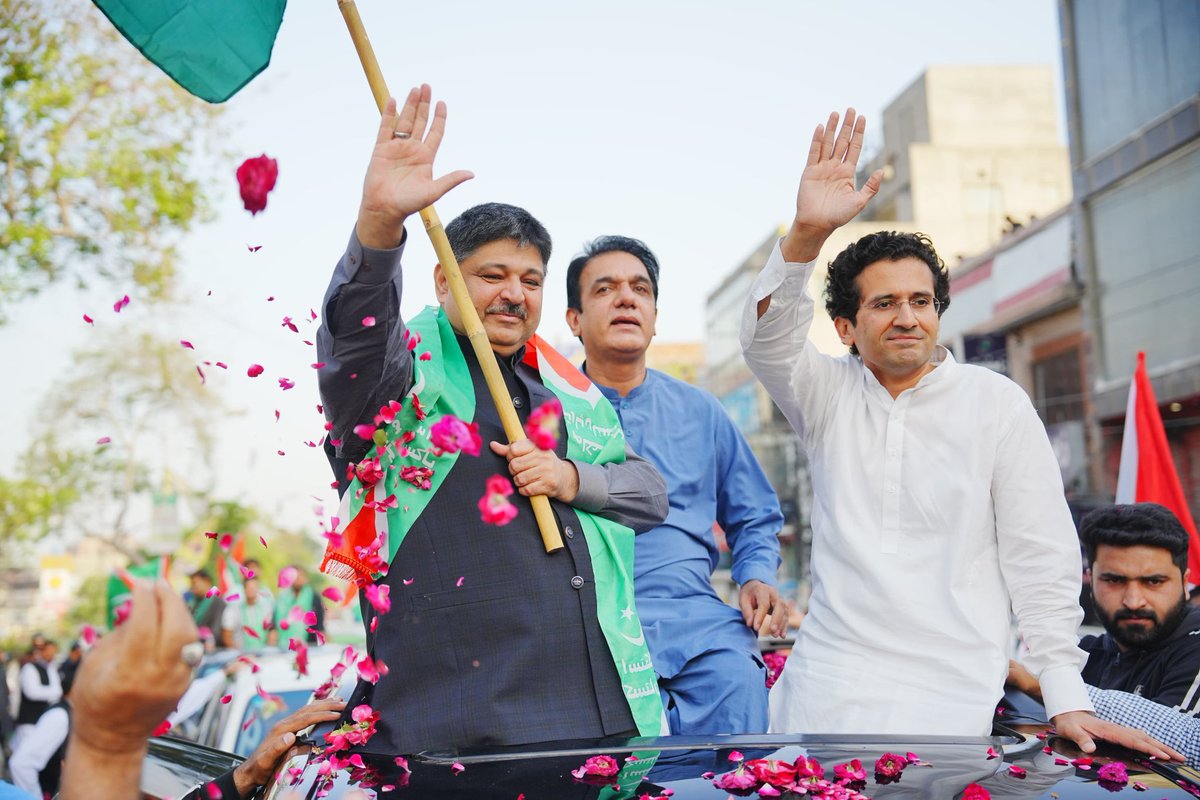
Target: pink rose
{"type": "Point", "coordinates": [738, 779]}
{"type": "Point", "coordinates": [767, 770]}
{"type": "Point", "coordinates": [494, 506]}
{"type": "Point", "coordinates": [888, 768]}
{"type": "Point", "coordinates": [1115, 773]}
{"type": "Point", "coordinates": [256, 177]}
{"type": "Point", "coordinates": [542, 425]}
{"type": "Point", "coordinates": [975, 792]}
{"type": "Point", "coordinates": [450, 434]}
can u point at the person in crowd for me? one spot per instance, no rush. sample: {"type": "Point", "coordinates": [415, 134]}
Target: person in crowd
{"type": "Point", "coordinates": [126, 687]}
{"type": "Point", "coordinates": [299, 598]}
{"type": "Point", "coordinates": [40, 687]}
{"type": "Point", "coordinates": [66, 670]}
{"type": "Point", "coordinates": [1137, 555]}
{"type": "Point", "coordinates": [563, 656]}
{"type": "Point", "coordinates": [710, 673]}
{"type": "Point", "coordinates": [216, 620]}
{"type": "Point", "coordinates": [36, 764]}
{"type": "Point", "coordinates": [256, 612]}
{"type": "Point", "coordinates": [939, 502]}
{"type": "Point", "coordinates": [6, 718]}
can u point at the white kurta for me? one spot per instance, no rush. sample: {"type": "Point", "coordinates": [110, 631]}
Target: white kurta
{"type": "Point", "coordinates": [931, 511]}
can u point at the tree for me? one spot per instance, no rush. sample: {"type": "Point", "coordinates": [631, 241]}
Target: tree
{"type": "Point", "coordinates": [131, 415]}
{"type": "Point", "coordinates": [97, 154]}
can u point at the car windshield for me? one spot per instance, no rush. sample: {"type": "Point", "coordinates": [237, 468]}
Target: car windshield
{"type": "Point", "coordinates": [262, 713]}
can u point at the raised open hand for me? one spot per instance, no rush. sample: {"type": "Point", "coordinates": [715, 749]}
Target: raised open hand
{"type": "Point", "coordinates": [399, 179]}
{"type": "Point", "coordinates": [828, 198]}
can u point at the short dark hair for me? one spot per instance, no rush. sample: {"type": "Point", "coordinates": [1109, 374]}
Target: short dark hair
{"type": "Point", "coordinates": [609, 244]}
{"type": "Point", "coordinates": [201, 573]}
{"type": "Point", "coordinates": [492, 222]}
{"type": "Point", "coordinates": [1147, 524]}
{"type": "Point", "coordinates": [841, 293]}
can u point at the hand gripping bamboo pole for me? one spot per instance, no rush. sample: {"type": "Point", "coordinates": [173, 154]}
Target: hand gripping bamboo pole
{"type": "Point", "coordinates": [546, 522]}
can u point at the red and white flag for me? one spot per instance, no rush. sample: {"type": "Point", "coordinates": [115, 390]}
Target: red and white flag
{"type": "Point", "coordinates": [1147, 472]}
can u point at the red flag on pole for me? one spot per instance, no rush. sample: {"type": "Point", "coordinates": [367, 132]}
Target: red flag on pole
{"type": "Point", "coordinates": [1147, 472]}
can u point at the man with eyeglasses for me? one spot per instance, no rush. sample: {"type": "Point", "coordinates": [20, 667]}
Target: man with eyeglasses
{"type": "Point", "coordinates": [939, 503]}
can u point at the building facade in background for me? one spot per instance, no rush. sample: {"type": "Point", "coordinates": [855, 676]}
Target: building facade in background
{"type": "Point", "coordinates": [1132, 77]}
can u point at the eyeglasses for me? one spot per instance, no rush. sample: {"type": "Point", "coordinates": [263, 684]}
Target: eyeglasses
{"type": "Point", "coordinates": [921, 305]}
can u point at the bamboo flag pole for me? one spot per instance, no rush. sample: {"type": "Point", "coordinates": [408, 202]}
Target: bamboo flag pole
{"type": "Point", "coordinates": [546, 522]}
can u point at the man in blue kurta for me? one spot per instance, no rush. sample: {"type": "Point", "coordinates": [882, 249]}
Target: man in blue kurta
{"type": "Point", "coordinates": [705, 652]}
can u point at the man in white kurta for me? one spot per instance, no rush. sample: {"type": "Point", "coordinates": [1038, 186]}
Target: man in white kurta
{"type": "Point", "coordinates": [938, 501]}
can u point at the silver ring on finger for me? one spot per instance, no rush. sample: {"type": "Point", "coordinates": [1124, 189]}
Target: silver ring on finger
{"type": "Point", "coordinates": [401, 135]}
{"type": "Point", "coordinates": [192, 653]}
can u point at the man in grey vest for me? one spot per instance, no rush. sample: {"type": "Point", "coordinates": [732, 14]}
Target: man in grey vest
{"type": "Point", "coordinates": [489, 639]}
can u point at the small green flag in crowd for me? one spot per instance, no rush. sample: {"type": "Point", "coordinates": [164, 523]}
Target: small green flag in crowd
{"type": "Point", "coordinates": [120, 586]}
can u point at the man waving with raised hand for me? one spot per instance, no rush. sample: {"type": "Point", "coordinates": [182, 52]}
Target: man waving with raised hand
{"type": "Point", "coordinates": [939, 504]}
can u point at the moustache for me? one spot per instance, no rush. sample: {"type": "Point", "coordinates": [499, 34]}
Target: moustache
{"type": "Point", "coordinates": [515, 309]}
{"type": "Point", "coordinates": [1126, 613]}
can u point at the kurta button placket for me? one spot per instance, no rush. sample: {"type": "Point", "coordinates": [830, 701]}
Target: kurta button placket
{"type": "Point", "coordinates": [569, 531]}
{"type": "Point", "coordinates": [892, 477]}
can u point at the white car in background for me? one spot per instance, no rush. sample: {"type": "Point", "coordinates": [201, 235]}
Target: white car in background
{"type": "Point", "coordinates": [257, 698]}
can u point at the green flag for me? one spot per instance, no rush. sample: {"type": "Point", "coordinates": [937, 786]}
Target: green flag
{"type": "Point", "coordinates": [210, 48]}
{"type": "Point", "coordinates": [120, 589]}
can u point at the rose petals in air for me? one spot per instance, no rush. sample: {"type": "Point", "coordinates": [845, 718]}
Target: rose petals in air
{"type": "Point", "coordinates": [287, 323]}
{"type": "Point", "coordinates": [120, 304]}
{"type": "Point", "coordinates": [1017, 772]}
{"type": "Point", "coordinates": [212, 791]}
{"type": "Point", "coordinates": [88, 635]}
{"type": "Point", "coordinates": [457, 767]}
{"type": "Point", "coordinates": [256, 177]}
{"type": "Point", "coordinates": [286, 383]}
{"type": "Point", "coordinates": [450, 435]}
{"type": "Point", "coordinates": [364, 431]}
{"type": "Point", "coordinates": [186, 344]}
{"type": "Point", "coordinates": [494, 506]}
{"type": "Point", "coordinates": [368, 322]}
{"type": "Point", "coordinates": [542, 425]}
{"type": "Point", "coordinates": [89, 320]}
{"type": "Point", "coordinates": [736, 755]}
{"type": "Point", "coordinates": [301, 651]}
{"type": "Point", "coordinates": [378, 595]}
{"type": "Point", "coordinates": [369, 670]}
{"type": "Point", "coordinates": [991, 753]}
{"type": "Point", "coordinates": [254, 248]}
{"type": "Point", "coordinates": [332, 594]}
{"type": "Point", "coordinates": [255, 370]}
{"type": "Point", "coordinates": [263, 541]}
{"type": "Point", "coordinates": [162, 728]}
{"type": "Point", "coordinates": [225, 699]}
{"type": "Point", "coordinates": [213, 591]}
{"type": "Point", "coordinates": [225, 542]}
{"type": "Point", "coordinates": [104, 440]}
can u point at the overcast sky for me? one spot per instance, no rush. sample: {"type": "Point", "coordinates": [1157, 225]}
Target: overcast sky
{"type": "Point", "coordinates": [683, 123]}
